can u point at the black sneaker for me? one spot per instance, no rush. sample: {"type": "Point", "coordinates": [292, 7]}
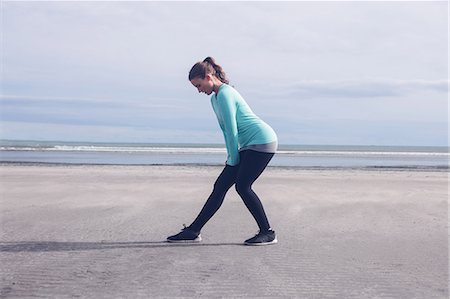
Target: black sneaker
{"type": "Point", "coordinates": [186, 236]}
{"type": "Point", "coordinates": [263, 238]}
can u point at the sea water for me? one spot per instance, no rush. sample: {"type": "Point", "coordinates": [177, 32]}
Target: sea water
{"type": "Point", "coordinates": [307, 156]}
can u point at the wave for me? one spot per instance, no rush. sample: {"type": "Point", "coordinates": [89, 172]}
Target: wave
{"type": "Point", "coordinates": [88, 148]}
{"type": "Point", "coordinates": [362, 153]}
{"type": "Point", "coordinates": [217, 150]}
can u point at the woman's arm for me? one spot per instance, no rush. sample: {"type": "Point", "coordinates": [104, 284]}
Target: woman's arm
{"type": "Point", "coordinates": [228, 112]}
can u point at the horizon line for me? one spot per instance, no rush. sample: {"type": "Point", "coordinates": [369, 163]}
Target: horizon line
{"type": "Point", "coordinates": [209, 143]}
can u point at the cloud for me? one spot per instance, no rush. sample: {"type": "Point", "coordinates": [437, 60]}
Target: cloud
{"type": "Point", "coordinates": [148, 102]}
{"type": "Point", "coordinates": [103, 133]}
{"type": "Point", "coordinates": [150, 113]}
{"type": "Point", "coordinates": [368, 89]}
{"type": "Point", "coordinates": [357, 89]}
{"type": "Point", "coordinates": [124, 64]}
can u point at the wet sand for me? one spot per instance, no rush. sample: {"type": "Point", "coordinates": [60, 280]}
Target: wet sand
{"type": "Point", "coordinates": [99, 232]}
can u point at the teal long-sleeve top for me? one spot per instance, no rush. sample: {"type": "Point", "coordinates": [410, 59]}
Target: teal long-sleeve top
{"type": "Point", "coordinates": [240, 126]}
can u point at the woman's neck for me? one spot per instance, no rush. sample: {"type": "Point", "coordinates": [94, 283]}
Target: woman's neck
{"type": "Point", "coordinates": [217, 87]}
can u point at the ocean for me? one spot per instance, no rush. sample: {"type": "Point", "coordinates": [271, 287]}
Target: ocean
{"type": "Point", "coordinates": [298, 156]}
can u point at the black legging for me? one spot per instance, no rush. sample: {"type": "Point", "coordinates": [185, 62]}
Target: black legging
{"type": "Point", "coordinates": [250, 167]}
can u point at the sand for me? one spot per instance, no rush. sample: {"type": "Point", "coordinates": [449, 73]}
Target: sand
{"type": "Point", "coordinates": [99, 232]}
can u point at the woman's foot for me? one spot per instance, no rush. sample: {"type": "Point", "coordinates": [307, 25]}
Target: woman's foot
{"type": "Point", "coordinates": [185, 236]}
{"type": "Point", "coordinates": [263, 238]}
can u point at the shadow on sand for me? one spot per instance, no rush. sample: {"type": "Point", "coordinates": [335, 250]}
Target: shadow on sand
{"type": "Point", "coordinates": [43, 246]}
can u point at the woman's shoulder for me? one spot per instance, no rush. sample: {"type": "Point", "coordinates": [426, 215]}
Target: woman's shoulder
{"type": "Point", "coordinates": [228, 87]}
{"type": "Point", "coordinates": [229, 92]}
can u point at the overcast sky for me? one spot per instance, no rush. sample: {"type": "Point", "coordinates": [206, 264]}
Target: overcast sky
{"type": "Point", "coordinates": [360, 73]}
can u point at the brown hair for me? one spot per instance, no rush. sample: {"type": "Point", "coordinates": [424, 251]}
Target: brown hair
{"type": "Point", "coordinates": [208, 66]}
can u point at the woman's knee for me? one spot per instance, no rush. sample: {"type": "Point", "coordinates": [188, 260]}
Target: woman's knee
{"type": "Point", "coordinates": [243, 188]}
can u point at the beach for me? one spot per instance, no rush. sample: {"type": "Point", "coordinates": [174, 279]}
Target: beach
{"type": "Point", "coordinates": [98, 231]}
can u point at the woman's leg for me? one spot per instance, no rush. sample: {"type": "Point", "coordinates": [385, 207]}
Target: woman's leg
{"type": "Point", "coordinates": [252, 164]}
{"type": "Point", "coordinates": [223, 183]}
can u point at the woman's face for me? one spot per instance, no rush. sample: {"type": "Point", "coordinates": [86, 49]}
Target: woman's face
{"type": "Point", "coordinates": [203, 85]}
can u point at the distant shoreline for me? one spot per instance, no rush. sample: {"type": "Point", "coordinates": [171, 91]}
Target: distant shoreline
{"type": "Point", "coordinates": [287, 156]}
{"type": "Point", "coordinates": [281, 146]}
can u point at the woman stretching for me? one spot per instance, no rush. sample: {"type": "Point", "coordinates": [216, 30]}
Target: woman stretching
{"type": "Point", "coordinates": [250, 143]}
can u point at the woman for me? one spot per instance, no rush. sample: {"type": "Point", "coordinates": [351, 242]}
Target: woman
{"type": "Point", "coordinates": [250, 143]}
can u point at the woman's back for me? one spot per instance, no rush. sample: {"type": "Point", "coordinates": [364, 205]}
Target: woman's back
{"type": "Point", "coordinates": [233, 112]}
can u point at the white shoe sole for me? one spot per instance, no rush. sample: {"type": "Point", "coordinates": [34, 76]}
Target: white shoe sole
{"type": "Point", "coordinates": [196, 240]}
{"type": "Point", "coordinates": [262, 244]}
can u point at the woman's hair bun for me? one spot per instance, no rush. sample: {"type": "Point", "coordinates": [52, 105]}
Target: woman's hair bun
{"type": "Point", "coordinates": [208, 66]}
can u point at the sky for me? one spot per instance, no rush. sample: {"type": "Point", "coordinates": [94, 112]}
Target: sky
{"type": "Point", "coordinates": [330, 73]}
